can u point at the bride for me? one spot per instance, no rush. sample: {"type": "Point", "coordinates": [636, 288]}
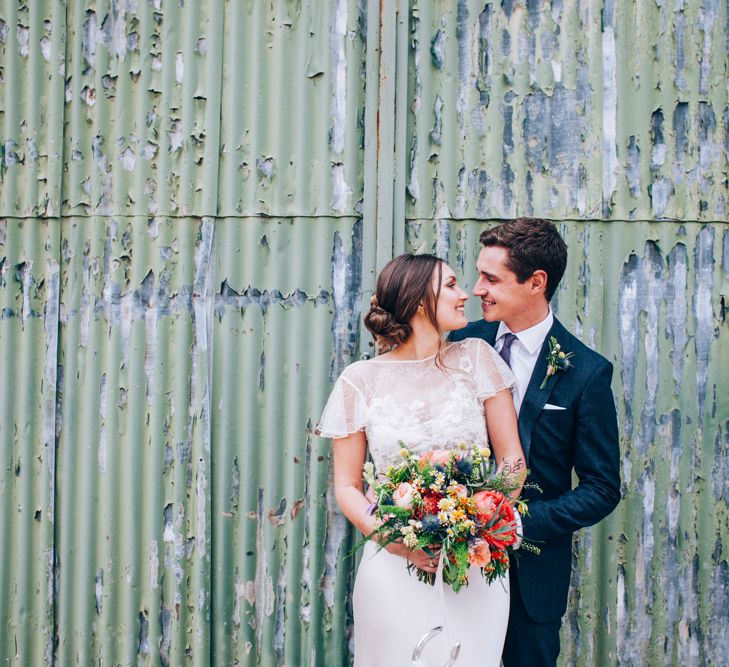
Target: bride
{"type": "Point", "coordinates": [429, 395]}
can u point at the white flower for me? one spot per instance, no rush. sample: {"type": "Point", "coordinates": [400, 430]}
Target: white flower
{"type": "Point", "coordinates": [446, 504]}
{"type": "Point", "coordinates": [410, 540]}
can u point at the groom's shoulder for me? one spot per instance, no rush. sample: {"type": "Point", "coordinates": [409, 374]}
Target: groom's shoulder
{"type": "Point", "coordinates": [478, 329]}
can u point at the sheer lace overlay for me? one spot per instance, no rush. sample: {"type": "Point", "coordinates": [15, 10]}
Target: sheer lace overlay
{"type": "Point", "coordinates": [417, 403]}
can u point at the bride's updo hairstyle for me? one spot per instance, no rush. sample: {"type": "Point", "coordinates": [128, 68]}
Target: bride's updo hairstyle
{"type": "Point", "coordinates": [404, 283]}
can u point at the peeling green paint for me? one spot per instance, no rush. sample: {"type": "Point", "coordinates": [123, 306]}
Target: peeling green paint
{"type": "Point", "coordinates": [651, 582]}
{"type": "Point", "coordinates": [588, 110]}
{"type": "Point", "coordinates": [196, 198]}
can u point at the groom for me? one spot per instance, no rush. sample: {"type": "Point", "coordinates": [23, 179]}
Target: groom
{"type": "Point", "coordinates": [567, 423]}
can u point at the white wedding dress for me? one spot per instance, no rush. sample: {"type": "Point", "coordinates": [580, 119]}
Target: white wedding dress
{"type": "Point", "coordinates": [426, 407]}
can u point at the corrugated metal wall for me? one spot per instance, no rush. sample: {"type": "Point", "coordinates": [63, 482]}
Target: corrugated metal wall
{"type": "Point", "coordinates": [194, 199]}
{"type": "Point", "coordinates": [612, 117]}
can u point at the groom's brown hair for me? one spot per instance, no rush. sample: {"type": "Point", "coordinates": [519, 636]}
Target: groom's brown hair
{"type": "Point", "coordinates": [533, 244]}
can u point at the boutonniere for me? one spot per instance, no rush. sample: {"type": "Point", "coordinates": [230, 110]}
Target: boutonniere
{"type": "Point", "coordinates": [557, 360]}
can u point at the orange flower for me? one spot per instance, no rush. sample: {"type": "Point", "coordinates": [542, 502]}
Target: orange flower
{"type": "Point", "coordinates": [500, 556]}
{"type": "Point", "coordinates": [486, 503]}
{"type": "Point", "coordinates": [505, 537]}
{"type": "Point", "coordinates": [503, 531]}
{"type": "Point", "coordinates": [479, 554]}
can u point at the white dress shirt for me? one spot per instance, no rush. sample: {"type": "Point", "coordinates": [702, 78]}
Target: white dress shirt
{"type": "Point", "coordinates": [524, 353]}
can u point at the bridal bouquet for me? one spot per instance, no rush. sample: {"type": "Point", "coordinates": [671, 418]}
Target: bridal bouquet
{"type": "Point", "coordinates": [452, 502]}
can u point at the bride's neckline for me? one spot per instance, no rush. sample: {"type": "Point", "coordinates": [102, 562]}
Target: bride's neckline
{"type": "Point", "coordinates": [412, 361]}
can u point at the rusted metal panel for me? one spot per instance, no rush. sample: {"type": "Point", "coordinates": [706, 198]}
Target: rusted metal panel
{"type": "Point", "coordinates": [233, 175]}
{"type": "Point", "coordinates": [292, 107]}
{"type": "Point", "coordinates": [651, 582]}
{"type": "Point", "coordinates": [32, 51]}
{"type": "Point", "coordinates": [194, 522]}
{"type": "Point", "coordinates": [143, 87]}
{"type": "Point", "coordinates": [134, 452]}
{"type": "Point", "coordinates": [286, 316]}
{"type": "Point", "coordinates": [570, 110]}
{"type": "Point", "coordinates": [29, 303]}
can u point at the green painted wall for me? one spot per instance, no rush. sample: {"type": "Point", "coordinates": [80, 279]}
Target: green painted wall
{"type": "Point", "coordinates": [194, 200]}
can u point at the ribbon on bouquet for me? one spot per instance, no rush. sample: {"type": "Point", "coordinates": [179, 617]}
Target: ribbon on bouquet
{"type": "Point", "coordinates": [417, 660]}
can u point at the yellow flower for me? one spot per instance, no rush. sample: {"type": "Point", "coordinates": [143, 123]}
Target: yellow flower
{"type": "Point", "coordinates": [404, 452]}
{"type": "Point", "coordinates": [459, 515]}
{"type": "Point", "coordinates": [562, 355]}
{"type": "Point", "coordinates": [485, 452]}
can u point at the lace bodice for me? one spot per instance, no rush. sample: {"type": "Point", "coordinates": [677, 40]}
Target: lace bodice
{"type": "Point", "coordinates": [416, 402]}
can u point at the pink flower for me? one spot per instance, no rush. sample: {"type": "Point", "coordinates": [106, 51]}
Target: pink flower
{"type": "Point", "coordinates": [402, 496]}
{"type": "Point", "coordinates": [436, 457]}
{"type": "Point", "coordinates": [486, 503]}
{"type": "Point", "coordinates": [479, 554]}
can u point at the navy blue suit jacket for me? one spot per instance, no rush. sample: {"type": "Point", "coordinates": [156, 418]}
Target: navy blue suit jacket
{"type": "Point", "coordinates": [583, 437]}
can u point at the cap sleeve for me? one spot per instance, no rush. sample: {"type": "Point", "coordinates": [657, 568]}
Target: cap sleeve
{"type": "Point", "coordinates": [346, 410]}
{"type": "Point", "coordinates": [492, 372]}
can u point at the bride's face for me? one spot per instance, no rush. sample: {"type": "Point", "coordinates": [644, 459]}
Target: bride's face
{"type": "Point", "coordinates": [451, 300]}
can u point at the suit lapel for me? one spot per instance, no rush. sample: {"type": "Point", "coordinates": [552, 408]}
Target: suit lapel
{"type": "Point", "coordinates": [535, 398]}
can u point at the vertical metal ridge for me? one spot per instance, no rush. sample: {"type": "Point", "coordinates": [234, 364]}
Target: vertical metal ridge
{"type": "Point", "coordinates": [144, 133]}
{"type": "Point", "coordinates": [32, 47]}
{"type": "Point", "coordinates": [29, 295]}
{"type": "Point", "coordinates": [578, 112]}
{"type": "Point", "coordinates": [193, 192]}
{"type": "Point", "coordinates": [295, 152]}
{"type": "Point", "coordinates": [644, 295]}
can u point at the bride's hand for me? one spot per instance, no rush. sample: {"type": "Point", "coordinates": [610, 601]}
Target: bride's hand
{"type": "Point", "coordinates": [419, 558]}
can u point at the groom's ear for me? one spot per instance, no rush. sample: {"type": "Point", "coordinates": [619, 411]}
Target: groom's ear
{"type": "Point", "coordinates": [539, 281]}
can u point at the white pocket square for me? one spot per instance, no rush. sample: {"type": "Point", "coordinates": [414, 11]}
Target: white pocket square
{"type": "Point", "coordinates": [549, 406]}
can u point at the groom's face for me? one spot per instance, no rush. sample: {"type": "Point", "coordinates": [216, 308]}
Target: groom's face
{"type": "Point", "coordinates": [503, 297]}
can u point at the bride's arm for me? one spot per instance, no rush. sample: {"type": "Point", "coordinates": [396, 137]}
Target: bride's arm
{"type": "Point", "coordinates": [504, 435]}
{"type": "Point", "coordinates": [349, 457]}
